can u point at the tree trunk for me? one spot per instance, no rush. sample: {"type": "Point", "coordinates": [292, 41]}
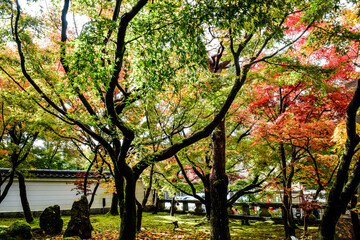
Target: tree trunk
{"type": "Point", "coordinates": [355, 218]}
{"type": "Point", "coordinates": [128, 218]}
{"type": "Point", "coordinates": [7, 187]}
{"type": "Point", "coordinates": [289, 223]}
{"type": "Point", "coordinates": [346, 181]}
{"type": "Point", "coordinates": [156, 207]}
{"type": "Point", "coordinates": [114, 205]}
{"type": "Point", "coordinates": [141, 206]}
{"type": "Point", "coordinates": [306, 221]}
{"type": "Point", "coordinates": [119, 185]}
{"type": "Point", "coordinates": [173, 207]}
{"type": "Point", "coordinates": [93, 194]}
{"type": "Point", "coordinates": [139, 212]}
{"type": "Point", "coordinates": [329, 221]}
{"type": "Point", "coordinates": [148, 189]}
{"type": "Point", "coordinates": [219, 222]}
{"type": "Point", "coordinates": [207, 203]}
{"type": "Point", "coordinates": [24, 201]}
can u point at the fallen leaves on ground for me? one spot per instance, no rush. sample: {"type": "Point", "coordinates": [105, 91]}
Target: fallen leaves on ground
{"type": "Point", "coordinates": [178, 234]}
{"type": "Point", "coordinates": [143, 235]}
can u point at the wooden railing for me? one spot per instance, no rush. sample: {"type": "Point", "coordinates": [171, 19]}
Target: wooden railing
{"type": "Point", "coordinates": [243, 210]}
{"type": "Point", "coordinates": [183, 206]}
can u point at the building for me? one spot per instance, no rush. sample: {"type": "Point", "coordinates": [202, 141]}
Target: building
{"type": "Point", "coordinates": [54, 187]}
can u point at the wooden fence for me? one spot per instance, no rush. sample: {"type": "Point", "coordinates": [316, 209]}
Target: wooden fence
{"type": "Point", "coordinates": [244, 210]}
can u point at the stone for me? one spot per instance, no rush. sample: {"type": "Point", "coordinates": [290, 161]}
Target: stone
{"type": "Point", "coordinates": [4, 235]}
{"type": "Point", "coordinates": [50, 220]}
{"type": "Point", "coordinates": [20, 231]}
{"type": "Point", "coordinates": [79, 224]}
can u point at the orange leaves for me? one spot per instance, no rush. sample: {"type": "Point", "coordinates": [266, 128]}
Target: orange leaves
{"type": "Point", "coordinates": [297, 113]}
{"type": "Point", "coordinates": [4, 152]}
{"type": "Point", "coordinates": [105, 235]}
{"type": "Point", "coordinates": [177, 234]}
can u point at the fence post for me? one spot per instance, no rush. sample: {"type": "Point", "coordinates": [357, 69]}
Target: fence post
{"type": "Point", "coordinates": [198, 208]}
{"type": "Point", "coordinates": [185, 207]}
{"type": "Point", "coordinates": [161, 205]}
{"type": "Point", "coordinates": [173, 207]}
{"type": "Point", "coordinates": [264, 211]}
{"type": "Point", "coordinates": [245, 211]}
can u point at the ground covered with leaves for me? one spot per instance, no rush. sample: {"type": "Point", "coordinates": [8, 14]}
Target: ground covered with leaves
{"type": "Point", "coordinates": [159, 226]}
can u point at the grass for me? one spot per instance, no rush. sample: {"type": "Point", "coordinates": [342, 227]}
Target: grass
{"type": "Point", "coordinates": [159, 226]}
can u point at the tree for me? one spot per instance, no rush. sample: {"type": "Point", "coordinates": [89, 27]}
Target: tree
{"type": "Point", "coordinates": [343, 35]}
{"type": "Point", "coordinates": [17, 140]}
{"type": "Point", "coordinates": [296, 112]}
{"type": "Point", "coordinates": [127, 52]}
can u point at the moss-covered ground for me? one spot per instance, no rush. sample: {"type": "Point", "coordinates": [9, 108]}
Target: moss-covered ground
{"type": "Point", "coordinates": [159, 226]}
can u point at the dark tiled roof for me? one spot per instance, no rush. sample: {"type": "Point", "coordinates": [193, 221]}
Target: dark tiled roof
{"type": "Point", "coordinates": [51, 173]}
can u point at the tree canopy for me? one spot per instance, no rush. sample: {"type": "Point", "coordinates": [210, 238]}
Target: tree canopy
{"type": "Point", "coordinates": [140, 82]}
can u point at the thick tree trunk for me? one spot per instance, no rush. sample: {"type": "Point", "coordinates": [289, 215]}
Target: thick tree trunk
{"type": "Point", "coordinates": [24, 201]}
{"type": "Point", "coordinates": [219, 221]}
{"type": "Point", "coordinates": [329, 222]}
{"type": "Point", "coordinates": [128, 218]}
{"type": "Point", "coordinates": [119, 184]}
{"type": "Point", "coordinates": [346, 181]}
{"type": "Point", "coordinates": [114, 205]}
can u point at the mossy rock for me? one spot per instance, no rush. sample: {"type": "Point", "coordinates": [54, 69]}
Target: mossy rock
{"type": "Point", "coordinates": [4, 235]}
{"type": "Point", "coordinates": [20, 231]}
{"type": "Point", "coordinates": [79, 224]}
{"type": "Point", "coordinates": [50, 220]}
{"type": "Point", "coordinates": [3, 228]}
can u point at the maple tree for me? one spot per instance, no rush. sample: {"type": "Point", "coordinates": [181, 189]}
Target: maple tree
{"type": "Point", "coordinates": [296, 113]}
{"type": "Point", "coordinates": [17, 139]}
{"type": "Point", "coordinates": [189, 171]}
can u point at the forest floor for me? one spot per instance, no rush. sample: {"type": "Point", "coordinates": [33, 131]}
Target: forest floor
{"type": "Point", "coordinates": [160, 226]}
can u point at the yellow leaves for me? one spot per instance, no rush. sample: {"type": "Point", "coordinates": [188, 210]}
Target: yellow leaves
{"type": "Point", "coordinates": [355, 75]}
{"type": "Point", "coordinates": [108, 185]}
{"type": "Point", "coordinates": [356, 209]}
{"type": "Point", "coordinates": [339, 136]}
{"type": "Point", "coordinates": [350, 16]}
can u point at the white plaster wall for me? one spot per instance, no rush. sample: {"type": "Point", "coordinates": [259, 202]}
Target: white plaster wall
{"type": "Point", "coordinates": [44, 192]}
